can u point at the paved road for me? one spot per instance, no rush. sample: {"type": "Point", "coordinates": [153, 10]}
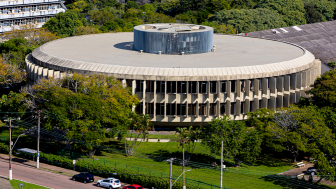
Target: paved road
{"type": "Point", "coordinates": [44, 178]}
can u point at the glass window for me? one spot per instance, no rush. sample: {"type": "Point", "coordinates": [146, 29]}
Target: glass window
{"type": "Point", "coordinates": [181, 87]}
{"type": "Point", "coordinates": [171, 86]}
{"type": "Point", "coordinates": [181, 109]}
{"type": "Point", "coordinates": [242, 86]}
{"type": "Point", "coordinates": [159, 108]}
{"type": "Point", "coordinates": [106, 180]}
{"type": "Point", "coordinates": [149, 108]}
{"type": "Point", "coordinates": [192, 109]}
{"type": "Point", "coordinates": [213, 86]}
{"type": "Point", "coordinates": [260, 102]}
{"type": "Point", "coordinates": [223, 108]}
{"type": "Point", "coordinates": [202, 109]}
{"type": "Point", "coordinates": [213, 108]}
{"type": "Point", "coordinates": [170, 110]}
{"type": "Point", "coordinates": [260, 88]}
{"type": "Point", "coordinates": [149, 86]}
{"type": "Point", "coordinates": [192, 87]}
{"type": "Point", "coordinates": [223, 86]}
{"type": "Point", "coordinates": [233, 86]}
{"type": "Point", "coordinates": [269, 104]}
{"type": "Point", "coordinates": [251, 85]}
{"type": "Point", "coordinates": [160, 86]}
{"type": "Point", "coordinates": [268, 83]}
{"type": "Point", "coordinates": [233, 108]}
{"type": "Point", "coordinates": [242, 107]}
{"type": "Point", "coordinates": [139, 86]}
{"type": "Point", "coordinates": [202, 86]}
{"type": "Point", "coordinates": [139, 108]}
{"type": "Point", "coordinates": [251, 106]}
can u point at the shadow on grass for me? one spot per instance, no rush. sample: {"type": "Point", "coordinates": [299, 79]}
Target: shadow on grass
{"type": "Point", "coordinates": [291, 182]}
{"type": "Point", "coordinates": [270, 161]}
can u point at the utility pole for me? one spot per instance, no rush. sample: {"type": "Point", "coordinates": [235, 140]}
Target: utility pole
{"type": "Point", "coordinates": [221, 164]}
{"type": "Point", "coordinates": [184, 186]}
{"type": "Point", "coordinates": [171, 160]}
{"type": "Point", "coordinates": [10, 146]}
{"type": "Point", "coordinates": [38, 137]}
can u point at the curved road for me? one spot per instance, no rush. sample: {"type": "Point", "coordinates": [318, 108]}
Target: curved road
{"type": "Point", "coordinates": [44, 178]}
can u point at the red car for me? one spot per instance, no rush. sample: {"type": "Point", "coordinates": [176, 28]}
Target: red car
{"type": "Point", "coordinates": [132, 186]}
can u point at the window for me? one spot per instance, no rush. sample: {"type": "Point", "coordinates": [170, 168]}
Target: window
{"type": "Point", "coordinates": [181, 109]}
{"type": "Point", "coordinates": [260, 88]}
{"type": "Point", "coordinates": [251, 85]}
{"type": "Point", "coordinates": [192, 87]}
{"type": "Point", "coordinates": [192, 109]}
{"type": "Point", "coordinates": [269, 104]}
{"type": "Point", "coordinates": [251, 106]}
{"type": "Point", "coordinates": [181, 87]}
{"type": "Point", "coordinates": [202, 86]}
{"type": "Point", "coordinates": [202, 109]}
{"type": "Point", "coordinates": [129, 82]}
{"type": "Point", "coordinates": [268, 83]}
{"type": "Point", "coordinates": [233, 86]}
{"type": "Point", "coordinates": [160, 86]}
{"type": "Point", "coordinates": [150, 86]}
{"type": "Point", "coordinates": [159, 108]}
{"type": "Point", "coordinates": [139, 86]}
{"type": "Point", "coordinates": [223, 108]}
{"type": "Point", "coordinates": [223, 86]}
{"type": "Point", "coordinates": [149, 108]}
{"type": "Point", "coordinates": [213, 86]}
{"type": "Point", "coordinates": [260, 102]}
{"type": "Point", "coordinates": [170, 110]}
{"type": "Point", "coordinates": [106, 180]}
{"type": "Point", "coordinates": [242, 87]}
{"type": "Point", "coordinates": [213, 108]}
{"type": "Point", "coordinates": [171, 86]}
{"type": "Point", "coordinates": [242, 107]}
{"type": "Point", "coordinates": [139, 108]}
{"type": "Point", "coordinates": [233, 108]}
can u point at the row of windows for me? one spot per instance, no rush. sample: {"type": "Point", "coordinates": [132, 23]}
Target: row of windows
{"type": "Point", "coordinates": [173, 109]}
{"type": "Point", "coordinates": [29, 8]}
{"type": "Point", "coordinates": [24, 21]}
{"type": "Point", "coordinates": [181, 86]}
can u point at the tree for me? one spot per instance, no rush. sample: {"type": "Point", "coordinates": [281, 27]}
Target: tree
{"type": "Point", "coordinates": [100, 17]}
{"type": "Point", "coordinates": [332, 64]}
{"type": "Point", "coordinates": [86, 30]}
{"type": "Point", "coordinates": [324, 8]}
{"type": "Point", "coordinates": [324, 90]}
{"type": "Point", "coordinates": [10, 74]}
{"type": "Point", "coordinates": [220, 28]}
{"type": "Point", "coordinates": [132, 4]}
{"type": "Point", "coordinates": [65, 24]}
{"type": "Point", "coordinates": [84, 106]}
{"type": "Point", "coordinates": [293, 11]}
{"type": "Point", "coordinates": [312, 15]}
{"type": "Point", "coordinates": [141, 124]}
{"type": "Point", "coordinates": [217, 5]}
{"type": "Point", "coordinates": [238, 140]}
{"type": "Point", "coordinates": [248, 20]}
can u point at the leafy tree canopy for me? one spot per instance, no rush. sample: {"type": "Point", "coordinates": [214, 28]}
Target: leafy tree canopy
{"type": "Point", "coordinates": [323, 9]}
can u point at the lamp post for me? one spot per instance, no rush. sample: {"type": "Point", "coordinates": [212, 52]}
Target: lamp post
{"type": "Point", "coordinates": [10, 145]}
{"type": "Point", "coordinates": [38, 116]}
{"type": "Point", "coordinates": [180, 176]}
{"type": "Point", "coordinates": [171, 160]}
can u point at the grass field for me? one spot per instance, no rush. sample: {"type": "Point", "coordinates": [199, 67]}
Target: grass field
{"type": "Point", "coordinates": [15, 184]}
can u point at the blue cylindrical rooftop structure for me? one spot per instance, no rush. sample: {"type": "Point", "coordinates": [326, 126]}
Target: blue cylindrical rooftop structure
{"type": "Point", "coordinates": [173, 38]}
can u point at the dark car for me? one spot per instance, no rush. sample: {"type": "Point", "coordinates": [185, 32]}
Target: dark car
{"type": "Point", "coordinates": [84, 177]}
{"type": "Point", "coordinates": [132, 186]}
{"type": "Point", "coordinates": [312, 170]}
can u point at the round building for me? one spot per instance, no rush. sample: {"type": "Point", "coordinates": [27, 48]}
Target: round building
{"type": "Point", "coordinates": [184, 74]}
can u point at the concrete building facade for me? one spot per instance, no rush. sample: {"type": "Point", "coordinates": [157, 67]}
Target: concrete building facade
{"type": "Point", "coordinates": [242, 75]}
{"type": "Point", "coordinates": [14, 14]}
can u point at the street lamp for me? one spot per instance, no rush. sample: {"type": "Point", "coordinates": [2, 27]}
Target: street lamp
{"type": "Point", "coordinates": [10, 145]}
{"type": "Point", "coordinates": [180, 176]}
{"type": "Point", "coordinates": [171, 160]}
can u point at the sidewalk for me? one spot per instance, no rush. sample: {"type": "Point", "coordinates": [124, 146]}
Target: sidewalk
{"type": "Point", "coordinates": [4, 183]}
{"type": "Point", "coordinates": [46, 167]}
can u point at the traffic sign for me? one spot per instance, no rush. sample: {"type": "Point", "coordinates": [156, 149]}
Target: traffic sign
{"type": "Point", "coordinates": [38, 154]}
{"type": "Point", "coordinates": [74, 162]}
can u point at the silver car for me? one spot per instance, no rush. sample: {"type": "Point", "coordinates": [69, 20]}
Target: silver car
{"type": "Point", "coordinates": [312, 171]}
{"type": "Point", "coordinates": [109, 183]}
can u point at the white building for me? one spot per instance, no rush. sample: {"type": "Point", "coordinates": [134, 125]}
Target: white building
{"type": "Point", "coordinates": [14, 14]}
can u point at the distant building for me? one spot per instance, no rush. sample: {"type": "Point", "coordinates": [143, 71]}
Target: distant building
{"type": "Point", "coordinates": [14, 14]}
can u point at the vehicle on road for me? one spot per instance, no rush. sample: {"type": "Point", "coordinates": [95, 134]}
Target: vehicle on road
{"type": "Point", "coordinates": [312, 170]}
{"type": "Point", "coordinates": [109, 183]}
{"type": "Point", "coordinates": [84, 177]}
{"type": "Point", "coordinates": [132, 186]}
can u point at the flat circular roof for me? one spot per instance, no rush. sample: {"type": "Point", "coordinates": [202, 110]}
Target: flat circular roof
{"type": "Point", "coordinates": [173, 28]}
{"type": "Point", "coordinates": [241, 57]}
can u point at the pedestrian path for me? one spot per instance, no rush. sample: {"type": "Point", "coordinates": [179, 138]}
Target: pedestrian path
{"type": "Point", "coordinates": [4, 183]}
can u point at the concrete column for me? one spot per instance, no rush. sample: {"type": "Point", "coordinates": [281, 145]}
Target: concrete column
{"type": "Point", "coordinates": [255, 104]}
{"type": "Point", "coordinates": [228, 108]}
{"type": "Point", "coordinates": [218, 98]}
{"type": "Point", "coordinates": [144, 97]}
{"type": "Point", "coordinates": [133, 86]}
{"type": "Point", "coordinates": [208, 89]}
{"type": "Point", "coordinates": [197, 103]}
{"type": "Point", "coordinates": [312, 79]}
{"type": "Point", "coordinates": [280, 84]}
{"type": "Point", "coordinates": [279, 101]}
{"type": "Point", "coordinates": [247, 106]}
{"type": "Point", "coordinates": [308, 78]}
{"type": "Point", "coordinates": [264, 102]}
{"type": "Point", "coordinates": [287, 82]}
{"type": "Point", "coordinates": [165, 101]}
{"type": "Point", "coordinates": [228, 89]}
{"type": "Point", "coordinates": [264, 85]}
{"type": "Point", "coordinates": [155, 96]}
{"type": "Point", "coordinates": [297, 96]}
{"type": "Point", "coordinates": [57, 74]}
{"type": "Point", "coordinates": [298, 80]}
{"type": "Point", "coordinates": [293, 82]}
{"type": "Point", "coordinates": [256, 86]}
{"type": "Point", "coordinates": [208, 109]}
{"type": "Point", "coordinates": [50, 73]}
{"type": "Point", "coordinates": [28, 67]}
{"type": "Point", "coordinates": [286, 99]}
{"type": "Point", "coordinates": [273, 102]}
{"type": "Point", "coordinates": [31, 72]}
{"type": "Point", "coordinates": [175, 108]}
{"type": "Point", "coordinates": [36, 69]}
{"type": "Point", "coordinates": [304, 79]}
{"type": "Point", "coordinates": [318, 69]}
{"type": "Point", "coordinates": [123, 83]}
{"type": "Point", "coordinates": [187, 85]}
{"type": "Point", "coordinates": [238, 107]}
{"type": "Point", "coordinates": [272, 83]}
{"type": "Point", "coordinates": [238, 88]}
{"type": "Point", "coordinates": [292, 98]}
{"type": "Point", "coordinates": [45, 73]}
{"type": "Point", "coordinates": [247, 87]}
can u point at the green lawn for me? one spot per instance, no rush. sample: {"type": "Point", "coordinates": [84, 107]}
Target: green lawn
{"type": "Point", "coordinates": [15, 184]}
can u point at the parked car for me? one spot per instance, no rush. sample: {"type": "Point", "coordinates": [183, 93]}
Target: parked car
{"type": "Point", "coordinates": [132, 186]}
{"type": "Point", "coordinates": [84, 177]}
{"type": "Point", "coordinates": [312, 171]}
{"type": "Point", "coordinates": [109, 183]}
